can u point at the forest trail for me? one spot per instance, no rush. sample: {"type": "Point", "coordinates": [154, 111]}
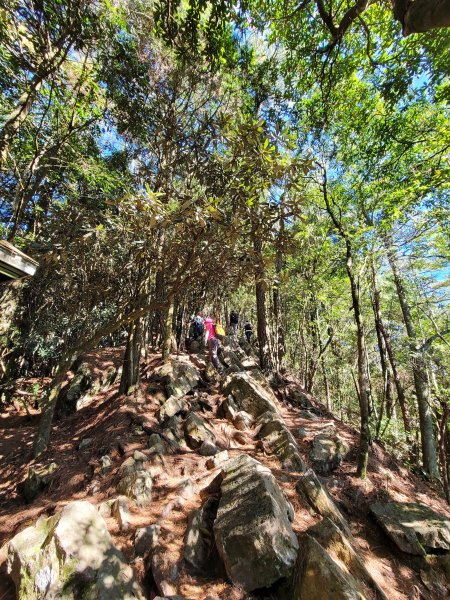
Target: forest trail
{"type": "Point", "coordinates": [118, 426]}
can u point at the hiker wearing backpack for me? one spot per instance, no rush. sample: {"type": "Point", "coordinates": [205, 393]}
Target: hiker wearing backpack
{"type": "Point", "coordinates": [248, 330]}
{"type": "Point", "coordinates": [213, 331]}
{"type": "Point", "coordinates": [234, 321]}
{"type": "Point", "coordinates": [198, 327]}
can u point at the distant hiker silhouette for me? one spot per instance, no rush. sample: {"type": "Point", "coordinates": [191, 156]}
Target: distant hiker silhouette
{"type": "Point", "coordinates": [248, 330]}
{"type": "Point", "coordinates": [234, 321]}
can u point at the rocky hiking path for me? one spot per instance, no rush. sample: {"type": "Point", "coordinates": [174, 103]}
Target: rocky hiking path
{"type": "Point", "coordinates": [201, 486]}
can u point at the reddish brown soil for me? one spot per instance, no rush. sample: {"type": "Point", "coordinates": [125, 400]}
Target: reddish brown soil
{"type": "Point", "coordinates": [110, 421]}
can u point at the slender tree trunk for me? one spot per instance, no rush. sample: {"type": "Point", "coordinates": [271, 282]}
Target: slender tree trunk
{"type": "Point", "coordinates": [326, 384]}
{"type": "Point", "coordinates": [443, 426]}
{"type": "Point", "coordinates": [428, 439]}
{"type": "Point", "coordinates": [363, 389]}
{"type": "Point", "coordinates": [397, 382]}
{"type": "Point", "coordinates": [387, 388]}
{"type": "Point", "coordinates": [131, 361]}
{"type": "Point", "coordinates": [167, 337]}
{"type": "Point", "coordinates": [279, 345]}
{"type": "Point", "coordinates": [49, 403]}
{"type": "Point", "coordinates": [17, 116]}
{"type": "Point", "coordinates": [265, 354]}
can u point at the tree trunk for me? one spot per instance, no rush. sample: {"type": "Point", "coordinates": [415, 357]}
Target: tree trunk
{"type": "Point", "coordinates": [422, 15]}
{"type": "Point", "coordinates": [265, 354]}
{"type": "Point", "coordinates": [387, 387]}
{"type": "Point", "coordinates": [326, 384]}
{"type": "Point", "coordinates": [17, 116]}
{"type": "Point", "coordinates": [167, 337]}
{"type": "Point", "coordinates": [428, 440]}
{"type": "Point", "coordinates": [49, 403]}
{"type": "Point", "coordinates": [131, 360]}
{"type": "Point", "coordinates": [362, 377]}
{"type": "Point", "coordinates": [363, 390]}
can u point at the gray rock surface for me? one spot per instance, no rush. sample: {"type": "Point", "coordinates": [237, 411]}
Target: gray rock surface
{"type": "Point", "coordinates": [338, 546]}
{"type": "Point", "coordinates": [135, 481]}
{"type": "Point", "coordinates": [243, 420]}
{"type": "Point", "coordinates": [70, 555]}
{"type": "Point", "coordinates": [217, 460]}
{"type": "Point", "coordinates": [172, 406]}
{"type": "Point", "coordinates": [208, 449]}
{"type": "Point", "coordinates": [121, 512]}
{"type": "Point", "coordinates": [250, 395]}
{"type": "Point", "coordinates": [196, 431]}
{"type": "Point", "coordinates": [318, 576]}
{"type": "Point", "coordinates": [414, 528]}
{"type": "Point", "coordinates": [85, 443]}
{"type": "Point", "coordinates": [317, 499]}
{"type": "Point", "coordinates": [38, 478]}
{"type": "Point", "coordinates": [327, 452]}
{"type": "Point", "coordinates": [146, 539]}
{"type": "Point", "coordinates": [282, 443]}
{"type": "Point", "coordinates": [253, 534]}
{"type": "Point", "coordinates": [178, 377]}
{"type": "Point", "coordinates": [200, 553]}
{"type": "Point", "coordinates": [75, 390]}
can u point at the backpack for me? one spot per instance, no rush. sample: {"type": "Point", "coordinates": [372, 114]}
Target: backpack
{"type": "Point", "coordinates": [220, 331]}
{"type": "Point", "coordinates": [234, 318]}
{"type": "Point", "coordinates": [198, 327]}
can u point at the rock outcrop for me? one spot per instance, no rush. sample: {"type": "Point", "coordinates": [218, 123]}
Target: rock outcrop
{"type": "Point", "coordinates": [318, 575]}
{"type": "Point", "coordinates": [281, 442]}
{"type": "Point", "coordinates": [70, 555]}
{"type": "Point", "coordinates": [252, 529]}
{"type": "Point", "coordinates": [414, 528]}
{"type": "Point", "coordinates": [38, 479]}
{"type": "Point", "coordinates": [327, 452]}
{"type": "Point", "coordinates": [317, 499]}
{"type": "Point", "coordinates": [135, 479]}
{"type": "Point", "coordinates": [200, 552]}
{"type": "Point", "coordinates": [179, 377]}
{"type": "Point", "coordinates": [250, 395]}
{"type": "Point", "coordinates": [340, 548]}
{"type": "Point", "coordinates": [197, 432]}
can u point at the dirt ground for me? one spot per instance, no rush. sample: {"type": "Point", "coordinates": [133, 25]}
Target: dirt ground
{"type": "Point", "coordinates": [110, 421]}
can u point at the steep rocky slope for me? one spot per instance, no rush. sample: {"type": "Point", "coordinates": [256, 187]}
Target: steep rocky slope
{"type": "Point", "coordinates": [209, 487]}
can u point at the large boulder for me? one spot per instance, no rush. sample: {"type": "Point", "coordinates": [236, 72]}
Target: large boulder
{"type": "Point", "coordinates": [317, 499]}
{"type": "Point", "coordinates": [71, 395]}
{"type": "Point", "coordinates": [38, 479]}
{"type": "Point", "coordinates": [327, 452]}
{"type": "Point", "coordinates": [339, 547]}
{"type": "Point", "coordinates": [318, 575]}
{"type": "Point", "coordinates": [282, 443]}
{"type": "Point", "coordinates": [173, 406]}
{"type": "Point", "coordinates": [414, 528]}
{"type": "Point", "coordinates": [197, 432]}
{"type": "Point", "coordinates": [252, 529]}
{"type": "Point", "coordinates": [70, 556]}
{"type": "Point", "coordinates": [250, 395]}
{"type": "Point", "coordinates": [135, 480]}
{"type": "Point", "coordinates": [178, 377]}
{"type": "Point", "coordinates": [200, 552]}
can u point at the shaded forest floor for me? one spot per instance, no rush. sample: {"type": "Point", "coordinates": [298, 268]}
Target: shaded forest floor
{"type": "Point", "coordinates": [110, 421]}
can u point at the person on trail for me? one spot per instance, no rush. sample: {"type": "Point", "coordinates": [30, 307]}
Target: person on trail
{"type": "Point", "coordinates": [212, 341]}
{"type": "Point", "coordinates": [248, 330]}
{"type": "Point", "coordinates": [234, 321]}
{"type": "Point", "coordinates": [198, 327]}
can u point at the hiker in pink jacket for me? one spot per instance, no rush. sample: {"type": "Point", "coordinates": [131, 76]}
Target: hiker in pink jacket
{"type": "Point", "coordinates": [212, 341]}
